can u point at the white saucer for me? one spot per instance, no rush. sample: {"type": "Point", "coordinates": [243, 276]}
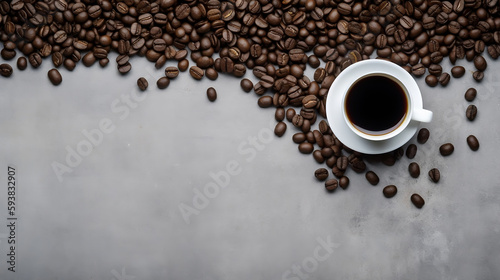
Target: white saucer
{"type": "Point", "coordinates": [336, 118]}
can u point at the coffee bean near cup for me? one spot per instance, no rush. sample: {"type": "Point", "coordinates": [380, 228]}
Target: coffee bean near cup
{"type": "Point", "coordinates": [377, 101]}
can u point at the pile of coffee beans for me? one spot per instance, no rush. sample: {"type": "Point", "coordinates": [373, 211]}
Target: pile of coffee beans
{"type": "Point", "coordinates": [276, 39]}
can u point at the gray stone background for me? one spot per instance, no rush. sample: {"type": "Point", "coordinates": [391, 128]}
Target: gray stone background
{"type": "Point", "coordinates": [115, 213]}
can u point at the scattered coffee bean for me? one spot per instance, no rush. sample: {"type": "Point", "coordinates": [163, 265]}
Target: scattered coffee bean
{"type": "Point", "coordinates": [372, 178]}
{"type": "Point", "coordinates": [344, 182]}
{"type": "Point", "coordinates": [5, 70]}
{"type": "Point", "coordinates": [471, 112]}
{"type": "Point", "coordinates": [423, 135]}
{"type": "Point", "coordinates": [88, 59]}
{"type": "Point", "coordinates": [444, 79]}
{"type": "Point", "coordinates": [331, 185]}
{"type": "Point", "coordinates": [22, 63]}
{"type": "Point", "coordinates": [163, 82]}
{"type": "Point", "coordinates": [265, 101]}
{"type": "Point", "coordinates": [211, 94]}
{"type": "Point", "coordinates": [470, 94]}
{"type": "Point", "coordinates": [417, 200]}
{"type": "Point", "coordinates": [35, 60]}
{"type": "Point", "coordinates": [183, 65]}
{"type": "Point", "coordinates": [473, 142]}
{"type": "Point", "coordinates": [211, 74]}
{"type": "Point", "coordinates": [279, 114]}
{"type": "Point", "coordinates": [434, 175]}
{"type": "Point", "coordinates": [411, 151]}
{"type": "Point", "coordinates": [414, 169]}
{"type": "Point", "coordinates": [54, 76]}
{"type": "Point", "coordinates": [171, 72]}
{"type": "Point", "coordinates": [457, 71]}
{"type": "Point", "coordinates": [446, 149]}
{"type": "Point", "coordinates": [390, 191]}
{"type": "Point", "coordinates": [196, 72]}
{"type": "Point", "coordinates": [478, 76]}
{"type": "Point", "coordinates": [280, 129]}
{"type": "Point", "coordinates": [306, 148]}
{"type": "Point", "coordinates": [431, 80]}
{"type": "Point", "coordinates": [480, 63]}
{"type": "Point", "coordinates": [246, 85]}
{"type": "Point", "coordinates": [321, 174]}
{"type": "Point", "coordinates": [125, 68]}
{"type": "Point", "coordinates": [142, 83]}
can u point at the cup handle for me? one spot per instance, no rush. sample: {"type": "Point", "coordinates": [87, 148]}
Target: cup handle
{"type": "Point", "coordinates": [422, 115]}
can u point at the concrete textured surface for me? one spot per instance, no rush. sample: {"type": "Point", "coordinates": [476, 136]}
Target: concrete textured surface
{"type": "Point", "coordinates": [167, 185]}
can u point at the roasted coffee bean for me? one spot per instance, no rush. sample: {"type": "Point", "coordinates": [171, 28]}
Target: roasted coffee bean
{"type": "Point", "coordinates": [297, 120]}
{"type": "Point", "coordinates": [417, 200]}
{"type": "Point", "coordinates": [211, 74]}
{"type": "Point", "coordinates": [344, 182]}
{"type": "Point", "coordinates": [298, 137]}
{"type": "Point", "coordinates": [414, 170]}
{"type": "Point", "coordinates": [358, 165]}
{"type": "Point", "coordinates": [457, 71]}
{"type": "Point", "coordinates": [434, 175]}
{"type": "Point", "coordinates": [446, 149]}
{"type": "Point", "coordinates": [246, 85]}
{"type": "Point", "coordinates": [279, 114]}
{"type": "Point", "coordinates": [265, 101]}
{"type": "Point", "coordinates": [306, 147]}
{"type": "Point", "coordinates": [54, 76]}
{"type": "Point", "coordinates": [321, 174]}
{"type": "Point", "coordinates": [183, 65]}
{"type": "Point", "coordinates": [35, 60]}
{"type": "Point", "coordinates": [411, 151]}
{"type": "Point", "coordinates": [473, 142]}
{"type": "Point", "coordinates": [418, 69]}
{"type": "Point", "coordinates": [480, 63]}
{"type": "Point", "coordinates": [478, 76]}
{"type": "Point", "coordinates": [211, 94]}
{"type": "Point", "coordinates": [88, 59]}
{"type": "Point", "coordinates": [122, 59]}
{"type": "Point", "coordinates": [390, 191]}
{"type": "Point", "coordinates": [196, 72]}
{"type": "Point", "coordinates": [318, 157]}
{"type": "Point", "coordinates": [435, 69]}
{"type": "Point", "coordinates": [171, 72]}
{"type": "Point", "coordinates": [103, 62]}
{"type": "Point", "coordinates": [163, 82]}
{"type": "Point", "coordinates": [7, 54]}
{"type": "Point", "coordinates": [290, 113]}
{"type": "Point", "coordinates": [267, 81]}
{"type": "Point", "coordinates": [444, 79]}
{"type": "Point", "coordinates": [471, 112]}
{"type": "Point", "coordinates": [342, 163]}
{"type": "Point", "coordinates": [431, 80]}
{"type": "Point", "coordinates": [142, 83]}
{"type": "Point", "coordinates": [331, 185]}
{"type": "Point", "coordinates": [423, 135]}
{"type": "Point", "coordinates": [372, 178]}
{"type": "Point", "coordinates": [5, 70]}
{"type": "Point", "coordinates": [22, 63]}
{"type": "Point", "coordinates": [337, 172]}
{"type": "Point", "coordinates": [470, 94]}
{"type": "Point", "coordinates": [125, 68]}
{"type": "Point", "coordinates": [280, 129]}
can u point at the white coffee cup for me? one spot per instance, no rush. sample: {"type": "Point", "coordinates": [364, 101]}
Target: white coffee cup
{"type": "Point", "coordinates": [388, 71]}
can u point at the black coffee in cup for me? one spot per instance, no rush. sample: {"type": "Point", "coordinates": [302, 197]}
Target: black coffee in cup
{"type": "Point", "coordinates": [376, 104]}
